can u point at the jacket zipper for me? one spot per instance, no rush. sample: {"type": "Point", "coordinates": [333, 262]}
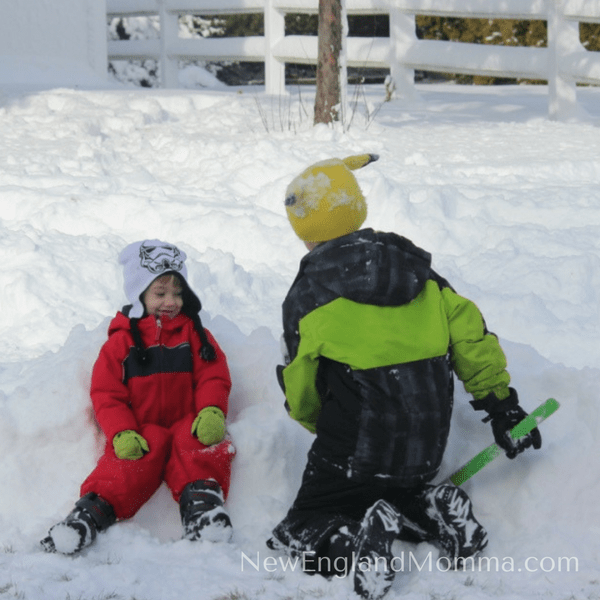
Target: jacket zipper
{"type": "Point", "coordinates": [158, 330]}
{"type": "Point", "coordinates": [160, 355]}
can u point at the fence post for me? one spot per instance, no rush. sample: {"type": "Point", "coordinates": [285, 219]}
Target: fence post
{"type": "Point", "coordinates": [563, 39]}
{"type": "Point", "coordinates": [402, 36]}
{"type": "Point", "coordinates": [97, 43]}
{"type": "Point", "coordinates": [274, 33]}
{"type": "Point", "coordinates": [169, 31]}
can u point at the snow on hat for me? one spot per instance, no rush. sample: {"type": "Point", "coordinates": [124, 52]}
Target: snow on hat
{"type": "Point", "coordinates": [143, 262]}
{"type": "Point", "coordinates": [325, 202]}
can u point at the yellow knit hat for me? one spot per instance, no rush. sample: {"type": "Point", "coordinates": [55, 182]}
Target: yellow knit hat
{"type": "Point", "coordinates": [325, 202]}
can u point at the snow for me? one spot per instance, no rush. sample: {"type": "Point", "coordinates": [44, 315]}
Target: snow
{"type": "Point", "coordinates": [508, 203]}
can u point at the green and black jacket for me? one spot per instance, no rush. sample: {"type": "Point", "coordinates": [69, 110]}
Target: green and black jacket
{"type": "Point", "coordinates": [373, 335]}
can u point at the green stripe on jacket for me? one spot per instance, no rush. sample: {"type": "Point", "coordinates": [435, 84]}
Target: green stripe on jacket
{"type": "Point", "coordinates": [366, 336]}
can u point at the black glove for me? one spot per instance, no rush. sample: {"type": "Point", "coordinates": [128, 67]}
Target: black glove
{"type": "Point", "coordinates": [504, 415]}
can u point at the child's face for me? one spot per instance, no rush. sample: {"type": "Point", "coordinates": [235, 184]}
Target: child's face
{"type": "Point", "coordinates": [163, 298]}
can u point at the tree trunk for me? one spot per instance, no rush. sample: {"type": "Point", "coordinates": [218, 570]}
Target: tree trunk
{"type": "Point", "coordinates": [327, 101]}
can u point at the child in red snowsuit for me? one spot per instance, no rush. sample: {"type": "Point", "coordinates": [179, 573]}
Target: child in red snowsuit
{"type": "Point", "coordinates": [160, 389]}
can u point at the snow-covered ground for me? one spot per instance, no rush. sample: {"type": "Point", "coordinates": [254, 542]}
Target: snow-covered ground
{"type": "Point", "coordinates": [508, 203]}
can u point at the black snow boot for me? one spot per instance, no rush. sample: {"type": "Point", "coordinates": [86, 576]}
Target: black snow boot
{"type": "Point", "coordinates": [460, 535]}
{"type": "Point", "coordinates": [203, 514]}
{"type": "Point", "coordinates": [373, 569]}
{"type": "Point", "coordinates": [90, 515]}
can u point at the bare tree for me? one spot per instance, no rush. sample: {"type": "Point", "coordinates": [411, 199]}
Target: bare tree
{"type": "Point", "coordinates": [328, 98]}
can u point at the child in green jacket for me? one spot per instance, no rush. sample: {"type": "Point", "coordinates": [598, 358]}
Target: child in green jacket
{"type": "Point", "coordinates": [373, 336]}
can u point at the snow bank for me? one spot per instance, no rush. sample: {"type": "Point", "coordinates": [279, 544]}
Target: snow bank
{"type": "Point", "coordinates": [506, 201]}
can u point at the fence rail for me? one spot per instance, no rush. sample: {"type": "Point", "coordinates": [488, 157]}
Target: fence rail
{"type": "Point", "coordinates": [563, 63]}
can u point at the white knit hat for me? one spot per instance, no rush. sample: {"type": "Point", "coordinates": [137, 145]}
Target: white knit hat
{"type": "Point", "coordinates": [143, 262]}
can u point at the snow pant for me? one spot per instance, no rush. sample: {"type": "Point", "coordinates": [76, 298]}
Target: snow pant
{"type": "Point", "coordinates": [328, 501]}
{"type": "Point", "coordinates": [175, 457]}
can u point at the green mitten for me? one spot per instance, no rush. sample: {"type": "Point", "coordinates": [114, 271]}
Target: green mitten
{"type": "Point", "coordinates": [209, 426]}
{"type": "Point", "coordinates": [130, 445]}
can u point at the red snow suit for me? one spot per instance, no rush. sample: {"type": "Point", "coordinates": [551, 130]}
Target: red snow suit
{"type": "Point", "coordinates": [159, 400]}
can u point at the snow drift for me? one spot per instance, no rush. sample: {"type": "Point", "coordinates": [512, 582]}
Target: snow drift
{"type": "Point", "coordinates": [507, 202]}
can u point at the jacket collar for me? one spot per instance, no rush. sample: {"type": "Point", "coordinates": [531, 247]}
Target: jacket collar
{"type": "Point", "coordinates": [147, 323]}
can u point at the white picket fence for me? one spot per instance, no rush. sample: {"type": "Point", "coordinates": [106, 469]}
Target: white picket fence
{"type": "Point", "coordinates": [563, 63]}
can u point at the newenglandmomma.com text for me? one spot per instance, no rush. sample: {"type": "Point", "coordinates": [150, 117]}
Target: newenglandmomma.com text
{"type": "Point", "coordinates": [310, 563]}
